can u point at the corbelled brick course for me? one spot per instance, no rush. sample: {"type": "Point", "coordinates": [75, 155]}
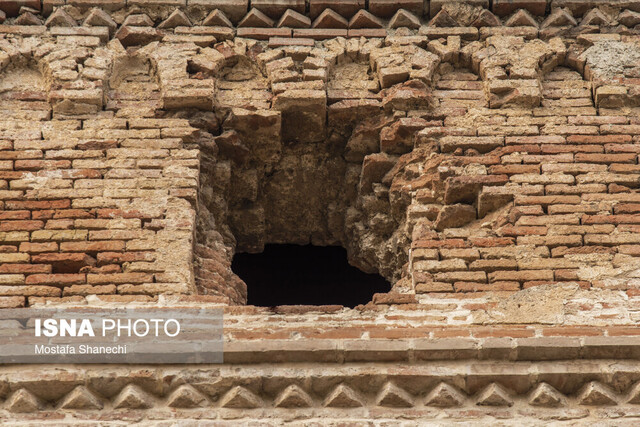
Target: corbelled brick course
{"type": "Point", "coordinates": [482, 156]}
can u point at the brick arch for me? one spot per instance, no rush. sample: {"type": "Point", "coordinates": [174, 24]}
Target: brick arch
{"type": "Point", "coordinates": [267, 125]}
{"type": "Point", "coordinates": [23, 86]}
{"type": "Point", "coordinates": [563, 86]}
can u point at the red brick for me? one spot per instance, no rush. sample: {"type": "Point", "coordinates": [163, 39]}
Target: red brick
{"type": "Point", "coordinates": [547, 200]}
{"type": "Point", "coordinates": [633, 250]}
{"type": "Point", "coordinates": [521, 275]}
{"type": "Point", "coordinates": [283, 41]}
{"type": "Point", "coordinates": [538, 139]}
{"type": "Point", "coordinates": [64, 263]}
{"type": "Point", "coordinates": [118, 213]}
{"type": "Point", "coordinates": [21, 225]}
{"type": "Point", "coordinates": [448, 243]}
{"type": "Point", "coordinates": [622, 148]}
{"type": "Point", "coordinates": [104, 269]}
{"type": "Point", "coordinates": [513, 230]}
{"type": "Point", "coordinates": [495, 286]}
{"type": "Point", "coordinates": [28, 291]}
{"type": "Point", "coordinates": [605, 158]}
{"type": "Point", "coordinates": [611, 219]}
{"type": "Point", "coordinates": [24, 268]}
{"type": "Point", "coordinates": [263, 33]}
{"type": "Point", "coordinates": [34, 165]}
{"type": "Point", "coordinates": [399, 333]}
{"type": "Point", "coordinates": [120, 257]}
{"type": "Point", "coordinates": [367, 32]}
{"type": "Point", "coordinates": [620, 129]}
{"type": "Point", "coordinates": [44, 214]}
{"type": "Point", "coordinates": [101, 246]}
{"type": "Point", "coordinates": [598, 120]}
{"type": "Point", "coordinates": [571, 148]}
{"type": "Point", "coordinates": [514, 169]}
{"type": "Point", "coordinates": [490, 265]}
{"type": "Point", "coordinates": [55, 279]}
{"type": "Point", "coordinates": [623, 208]}
{"type": "Point", "coordinates": [572, 331]}
{"type": "Point", "coordinates": [394, 298]}
{"type": "Point", "coordinates": [615, 331]}
{"type": "Point", "coordinates": [85, 290]}
{"type": "Point", "coordinates": [21, 155]}
{"type": "Point", "coordinates": [498, 332]}
{"type": "Point", "coordinates": [566, 274]}
{"type": "Point", "coordinates": [598, 139]}
{"type": "Point", "coordinates": [487, 242]}
{"type": "Point", "coordinates": [319, 33]}
{"type": "Point", "coordinates": [119, 278]}
{"type": "Point", "coordinates": [4, 215]}
{"type": "Point", "coordinates": [451, 333]}
{"type": "Point", "coordinates": [35, 205]}
{"type": "Point", "coordinates": [72, 213]}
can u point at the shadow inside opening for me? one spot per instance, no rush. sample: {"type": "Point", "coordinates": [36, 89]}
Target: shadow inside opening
{"type": "Point", "coordinates": [305, 275]}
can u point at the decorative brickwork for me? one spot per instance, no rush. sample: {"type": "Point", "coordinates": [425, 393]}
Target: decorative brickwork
{"type": "Point", "coordinates": [481, 156]}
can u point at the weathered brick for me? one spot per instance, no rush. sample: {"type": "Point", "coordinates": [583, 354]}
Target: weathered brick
{"type": "Point", "coordinates": [14, 258]}
{"type": "Point", "coordinates": [101, 246]}
{"type": "Point", "coordinates": [55, 279]}
{"type": "Point", "coordinates": [520, 276]}
{"type": "Point", "coordinates": [119, 278]}
{"type": "Point", "coordinates": [441, 266]}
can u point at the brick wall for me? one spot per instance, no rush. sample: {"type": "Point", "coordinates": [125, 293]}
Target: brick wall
{"type": "Point", "coordinates": [480, 155]}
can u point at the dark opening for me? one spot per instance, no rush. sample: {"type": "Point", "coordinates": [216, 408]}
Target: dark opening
{"type": "Point", "coordinates": [305, 275]}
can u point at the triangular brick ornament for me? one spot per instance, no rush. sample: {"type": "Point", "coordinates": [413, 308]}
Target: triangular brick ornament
{"type": "Point", "coordinates": [293, 397]}
{"type": "Point", "coordinates": [186, 396]}
{"type": "Point", "coordinates": [23, 401]}
{"type": "Point", "coordinates": [217, 18]}
{"type": "Point", "coordinates": [404, 18]}
{"type": "Point", "coordinates": [486, 19]}
{"type": "Point", "coordinates": [442, 19]}
{"type": "Point", "coordinates": [559, 18]}
{"type": "Point", "coordinates": [596, 394]}
{"type": "Point", "coordinates": [444, 396]}
{"type": "Point", "coordinates": [330, 19]}
{"type": "Point", "coordinates": [138, 20]}
{"type": "Point", "coordinates": [81, 398]}
{"type": "Point", "coordinates": [629, 18]}
{"type": "Point", "coordinates": [364, 19]}
{"type": "Point", "coordinates": [595, 17]}
{"type": "Point", "coordinates": [634, 394]}
{"type": "Point", "coordinates": [256, 19]}
{"type": "Point", "coordinates": [28, 18]}
{"type": "Point", "coordinates": [521, 18]}
{"type": "Point", "coordinates": [100, 18]}
{"type": "Point", "coordinates": [293, 19]}
{"type": "Point", "coordinates": [3, 16]}
{"type": "Point", "coordinates": [60, 18]}
{"type": "Point", "coordinates": [176, 19]}
{"type": "Point", "coordinates": [494, 395]}
{"type": "Point", "coordinates": [240, 398]}
{"type": "Point", "coordinates": [546, 396]}
{"type": "Point", "coordinates": [393, 396]}
{"type": "Point", "coordinates": [133, 397]}
{"type": "Point", "coordinates": [343, 396]}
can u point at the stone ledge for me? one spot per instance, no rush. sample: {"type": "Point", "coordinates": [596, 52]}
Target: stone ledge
{"type": "Point", "coordinates": [417, 350]}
